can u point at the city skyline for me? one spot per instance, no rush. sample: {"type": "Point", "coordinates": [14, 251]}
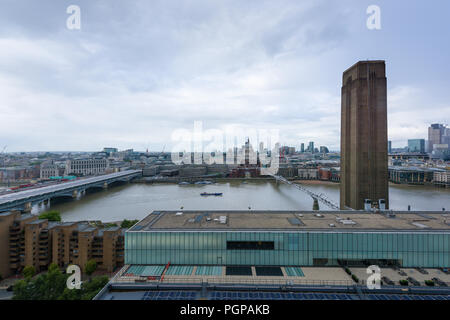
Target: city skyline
{"type": "Point", "coordinates": [198, 151]}
{"type": "Point", "coordinates": [135, 73]}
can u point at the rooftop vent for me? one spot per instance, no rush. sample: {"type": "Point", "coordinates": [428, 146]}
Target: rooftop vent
{"type": "Point", "coordinates": [178, 213]}
{"type": "Point", "coordinates": [347, 221]}
{"type": "Point", "coordinates": [223, 219]}
{"type": "Point", "coordinates": [426, 216]}
{"type": "Point", "coordinates": [295, 222]}
{"type": "Point", "coordinates": [419, 225]}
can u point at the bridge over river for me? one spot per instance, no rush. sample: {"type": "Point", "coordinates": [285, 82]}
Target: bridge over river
{"type": "Point", "coordinates": [320, 197]}
{"type": "Point", "coordinates": [24, 200]}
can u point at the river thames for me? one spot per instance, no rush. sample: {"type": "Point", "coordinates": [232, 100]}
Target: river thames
{"type": "Point", "coordinates": [136, 200]}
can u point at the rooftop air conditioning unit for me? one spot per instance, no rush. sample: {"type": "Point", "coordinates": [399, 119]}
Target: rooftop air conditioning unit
{"type": "Point", "coordinates": [382, 204]}
{"type": "Point", "coordinates": [367, 204]}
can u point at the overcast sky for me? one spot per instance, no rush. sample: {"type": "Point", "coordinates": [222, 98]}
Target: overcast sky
{"type": "Point", "coordinates": [137, 71]}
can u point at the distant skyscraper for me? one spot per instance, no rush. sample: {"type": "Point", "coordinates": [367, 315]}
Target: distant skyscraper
{"type": "Point", "coordinates": [324, 149]}
{"type": "Point", "coordinates": [302, 147]}
{"type": "Point", "coordinates": [435, 133]}
{"type": "Point", "coordinates": [389, 146]}
{"type": "Point", "coordinates": [364, 145]}
{"type": "Point", "coordinates": [446, 138]}
{"type": "Point", "coordinates": [311, 147]}
{"type": "Point", "coordinates": [416, 145]}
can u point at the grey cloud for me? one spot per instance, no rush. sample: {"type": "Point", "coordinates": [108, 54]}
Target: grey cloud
{"type": "Point", "coordinates": [137, 70]}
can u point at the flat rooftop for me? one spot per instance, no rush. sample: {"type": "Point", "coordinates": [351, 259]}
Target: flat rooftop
{"type": "Point", "coordinates": [293, 220]}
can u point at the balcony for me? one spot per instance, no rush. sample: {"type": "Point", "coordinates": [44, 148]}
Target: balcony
{"type": "Point", "coordinates": [15, 227]}
{"type": "Point", "coordinates": [14, 259]}
{"type": "Point", "coordinates": [14, 236]}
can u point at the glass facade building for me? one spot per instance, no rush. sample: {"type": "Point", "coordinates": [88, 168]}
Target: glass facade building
{"type": "Point", "coordinates": [416, 145]}
{"type": "Point", "coordinates": [426, 249]}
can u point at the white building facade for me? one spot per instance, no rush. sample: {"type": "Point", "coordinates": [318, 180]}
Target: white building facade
{"type": "Point", "coordinates": [87, 167]}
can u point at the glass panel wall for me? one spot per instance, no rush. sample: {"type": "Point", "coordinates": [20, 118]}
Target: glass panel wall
{"type": "Point", "coordinates": [289, 248]}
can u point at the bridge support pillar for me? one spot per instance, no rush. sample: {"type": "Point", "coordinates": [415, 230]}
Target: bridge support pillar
{"type": "Point", "coordinates": [28, 207]}
{"type": "Point", "coordinates": [105, 185]}
{"type": "Point", "coordinates": [41, 205]}
{"type": "Point", "coordinates": [315, 204]}
{"type": "Point", "coordinates": [75, 194]}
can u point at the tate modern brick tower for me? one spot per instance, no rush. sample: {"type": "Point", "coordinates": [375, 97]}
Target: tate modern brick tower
{"type": "Point", "coordinates": [364, 164]}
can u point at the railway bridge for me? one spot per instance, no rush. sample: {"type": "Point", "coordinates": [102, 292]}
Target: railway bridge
{"type": "Point", "coordinates": [26, 199]}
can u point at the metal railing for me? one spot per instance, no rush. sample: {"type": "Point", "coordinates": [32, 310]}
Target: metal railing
{"type": "Point", "coordinates": [319, 197]}
{"type": "Point", "coordinates": [232, 280]}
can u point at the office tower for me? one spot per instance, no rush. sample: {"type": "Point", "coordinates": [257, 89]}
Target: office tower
{"type": "Point", "coordinates": [311, 147]}
{"type": "Point", "coordinates": [364, 170]}
{"type": "Point", "coordinates": [302, 147]}
{"type": "Point", "coordinates": [389, 146]}
{"type": "Point", "coordinates": [435, 133]}
{"type": "Point", "coordinates": [324, 149]}
{"type": "Point", "coordinates": [416, 145]}
{"type": "Point", "coordinates": [446, 137]}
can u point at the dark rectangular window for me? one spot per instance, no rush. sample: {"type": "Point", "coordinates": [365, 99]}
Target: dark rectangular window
{"type": "Point", "coordinates": [269, 271]}
{"type": "Point", "coordinates": [238, 271]}
{"type": "Point", "coordinates": [250, 245]}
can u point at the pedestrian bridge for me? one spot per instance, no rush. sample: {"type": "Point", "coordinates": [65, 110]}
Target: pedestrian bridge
{"type": "Point", "coordinates": [24, 200]}
{"type": "Point", "coordinates": [320, 197]}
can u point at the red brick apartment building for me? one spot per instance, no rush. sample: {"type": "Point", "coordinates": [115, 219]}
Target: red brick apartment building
{"type": "Point", "coordinates": [26, 240]}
